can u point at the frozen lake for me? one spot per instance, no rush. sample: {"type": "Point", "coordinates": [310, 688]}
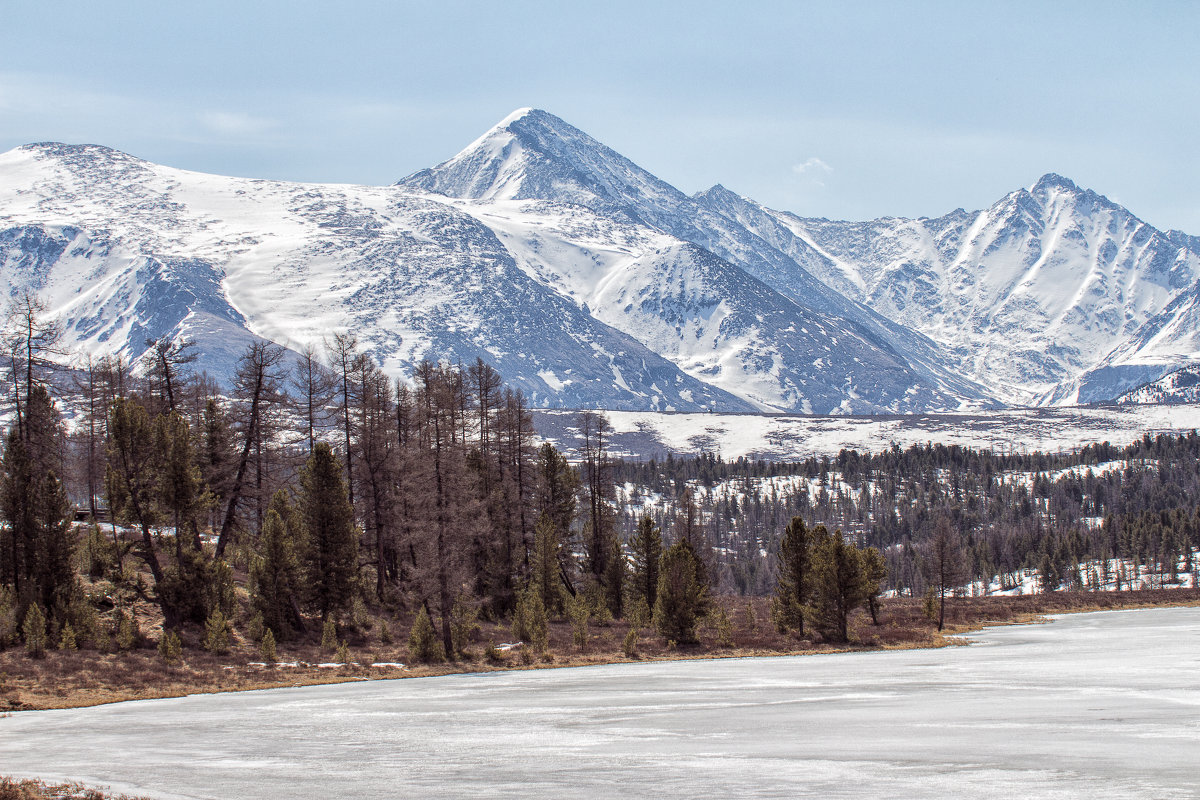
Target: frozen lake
{"type": "Point", "coordinates": [1092, 705]}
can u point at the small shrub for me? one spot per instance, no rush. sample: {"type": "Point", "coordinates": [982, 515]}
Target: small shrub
{"type": "Point", "coordinates": [579, 611]}
{"type": "Point", "coordinates": [66, 638]}
{"type": "Point", "coordinates": [423, 644]}
{"type": "Point", "coordinates": [217, 633]}
{"type": "Point", "coordinates": [385, 633]}
{"type": "Point", "coordinates": [125, 631]}
{"type": "Point", "coordinates": [329, 637]}
{"type": "Point", "coordinates": [170, 648]}
{"type": "Point", "coordinates": [629, 646]}
{"type": "Point", "coordinates": [267, 646]}
{"type": "Point", "coordinates": [256, 628]}
{"type": "Point", "coordinates": [34, 629]}
{"type": "Point", "coordinates": [724, 627]}
{"type": "Point", "coordinates": [343, 654]}
{"type": "Point", "coordinates": [493, 655]}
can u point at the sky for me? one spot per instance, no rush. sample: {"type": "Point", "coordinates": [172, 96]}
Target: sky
{"type": "Point", "coordinates": [847, 110]}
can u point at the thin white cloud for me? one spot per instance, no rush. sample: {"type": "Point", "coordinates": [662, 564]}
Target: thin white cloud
{"type": "Point", "coordinates": [812, 166]}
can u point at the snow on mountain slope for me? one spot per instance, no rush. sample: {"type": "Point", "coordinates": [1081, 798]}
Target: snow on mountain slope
{"type": "Point", "coordinates": [807, 348]}
{"type": "Point", "coordinates": [124, 249]}
{"type": "Point", "coordinates": [587, 281]}
{"type": "Point", "coordinates": [1180, 386]}
{"type": "Point", "coordinates": [1028, 297]}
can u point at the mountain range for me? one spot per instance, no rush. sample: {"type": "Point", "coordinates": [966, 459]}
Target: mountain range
{"type": "Point", "coordinates": [589, 282]}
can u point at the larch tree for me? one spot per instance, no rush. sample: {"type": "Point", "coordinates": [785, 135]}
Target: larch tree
{"type": "Point", "coordinates": [257, 385]}
{"type": "Point", "coordinates": [944, 562]}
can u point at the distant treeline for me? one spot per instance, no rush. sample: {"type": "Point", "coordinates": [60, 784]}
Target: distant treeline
{"type": "Point", "coordinates": [1043, 511]}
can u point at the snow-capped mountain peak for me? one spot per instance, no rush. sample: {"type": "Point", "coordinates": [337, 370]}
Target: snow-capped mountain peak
{"type": "Point", "coordinates": [588, 281]}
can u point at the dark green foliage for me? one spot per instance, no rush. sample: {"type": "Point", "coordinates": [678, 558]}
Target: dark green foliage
{"type": "Point", "coordinates": [423, 644]}
{"type": "Point", "coordinates": [615, 572]}
{"type": "Point", "coordinates": [838, 585]}
{"type": "Point", "coordinates": [36, 549]}
{"type": "Point", "coordinates": [645, 551]}
{"type": "Point", "coordinates": [794, 590]}
{"type": "Point", "coordinates": [874, 571]}
{"type": "Point", "coordinates": [195, 586]}
{"type": "Point", "coordinates": [529, 621]}
{"type": "Point", "coordinates": [545, 571]}
{"type": "Point", "coordinates": [682, 593]}
{"type": "Point", "coordinates": [329, 554]}
{"type": "Point", "coordinates": [276, 575]}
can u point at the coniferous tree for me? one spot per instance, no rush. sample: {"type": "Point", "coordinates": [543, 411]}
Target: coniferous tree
{"type": "Point", "coordinates": [645, 554]}
{"type": "Point", "coordinates": [874, 570]}
{"type": "Point", "coordinates": [545, 576]}
{"type": "Point", "coordinates": [276, 575]}
{"type": "Point", "coordinates": [838, 585]}
{"type": "Point", "coordinates": [330, 548]}
{"type": "Point", "coordinates": [793, 592]}
{"type": "Point", "coordinates": [682, 593]}
{"type": "Point", "coordinates": [944, 563]}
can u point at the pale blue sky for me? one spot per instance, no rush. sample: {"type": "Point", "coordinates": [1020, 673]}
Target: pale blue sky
{"type": "Point", "coordinates": [847, 110]}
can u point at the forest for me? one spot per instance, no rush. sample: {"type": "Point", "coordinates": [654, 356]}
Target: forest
{"type": "Point", "coordinates": [316, 490]}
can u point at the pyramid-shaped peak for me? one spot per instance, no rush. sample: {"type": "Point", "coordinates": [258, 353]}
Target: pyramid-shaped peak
{"type": "Point", "coordinates": [533, 155]}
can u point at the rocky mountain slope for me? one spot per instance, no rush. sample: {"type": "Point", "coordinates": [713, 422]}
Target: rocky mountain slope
{"type": "Point", "coordinates": [587, 281]}
{"type": "Point", "coordinates": [1053, 295]}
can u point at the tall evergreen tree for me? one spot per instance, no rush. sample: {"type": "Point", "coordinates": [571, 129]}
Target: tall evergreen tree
{"type": "Point", "coordinates": [330, 548]}
{"type": "Point", "coordinates": [682, 593]}
{"type": "Point", "coordinates": [276, 575]}
{"type": "Point", "coordinates": [838, 585]}
{"type": "Point", "coordinates": [645, 554]}
{"type": "Point", "coordinates": [794, 590]}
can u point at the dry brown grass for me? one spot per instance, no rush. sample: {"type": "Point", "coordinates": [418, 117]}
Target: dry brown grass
{"type": "Point", "coordinates": [67, 679]}
{"type": "Point", "coordinates": [37, 790]}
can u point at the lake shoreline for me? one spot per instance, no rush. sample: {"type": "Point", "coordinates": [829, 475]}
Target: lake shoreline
{"type": "Point", "coordinates": [77, 679]}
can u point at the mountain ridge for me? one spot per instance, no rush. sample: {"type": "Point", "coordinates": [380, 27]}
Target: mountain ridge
{"type": "Point", "coordinates": [590, 281]}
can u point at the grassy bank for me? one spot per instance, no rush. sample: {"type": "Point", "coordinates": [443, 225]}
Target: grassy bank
{"type": "Point", "coordinates": [74, 678]}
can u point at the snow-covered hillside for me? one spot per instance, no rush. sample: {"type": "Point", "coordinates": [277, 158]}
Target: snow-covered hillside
{"type": "Point", "coordinates": [782, 437]}
{"type": "Point", "coordinates": [1053, 295]}
{"type": "Point", "coordinates": [1180, 386]}
{"type": "Point", "coordinates": [588, 282]}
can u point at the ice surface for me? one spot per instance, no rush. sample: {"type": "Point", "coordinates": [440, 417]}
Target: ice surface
{"type": "Point", "coordinates": [1095, 705]}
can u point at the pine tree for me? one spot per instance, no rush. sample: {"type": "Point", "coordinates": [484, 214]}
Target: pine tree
{"type": "Point", "coordinates": [794, 591]}
{"type": "Point", "coordinates": [838, 585]}
{"type": "Point", "coordinates": [37, 548]}
{"type": "Point", "coordinates": [544, 571]}
{"type": "Point", "coordinates": [682, 593]}
{"type": "Point", "coordinates": [944, 563]}
{"type": "Point", "coordinates": [423, 644]}
{"type": "Point", "coordinates": [645, 553]}
{"type": "Point", "coordinates": [874, 570]}
{"type": "Point", "coordinates": [330, 549]}
{"type": "Point", "coordinates": [275, 575]}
